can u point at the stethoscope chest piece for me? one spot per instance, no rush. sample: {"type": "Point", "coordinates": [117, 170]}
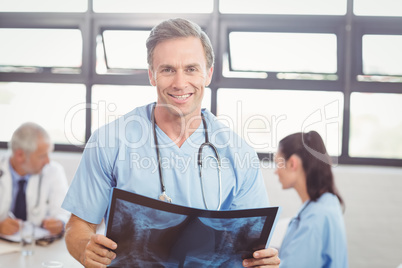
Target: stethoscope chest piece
{"type": "Point", "coordinates": [164, 197]}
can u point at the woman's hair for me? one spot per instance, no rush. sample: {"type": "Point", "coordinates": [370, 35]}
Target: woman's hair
{"type": "Point", "coordinates": [316, 162]}
{"type": "Point", "coordinates": [177, 28]}
{"type": "Point", "coordinates": [26, 137]}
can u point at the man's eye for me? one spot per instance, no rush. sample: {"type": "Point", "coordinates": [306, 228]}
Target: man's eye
{"type": "Point", "coordinates": [167, 70]}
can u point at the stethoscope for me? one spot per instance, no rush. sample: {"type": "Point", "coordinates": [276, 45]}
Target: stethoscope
{"type": "Point", "coordinates": [294, 225]}
{"type": "Point", "coordinates": [35, 210]}
{"type": "Point", "coordinates": [297, 218]}
{"type": "Point", "coordinates": [164, 196]}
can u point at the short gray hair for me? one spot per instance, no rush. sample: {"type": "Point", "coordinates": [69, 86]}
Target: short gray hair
{"type": "Point", "coordinates": [176, 28]}
{"type": "Point", "coordinates": [26, 137]}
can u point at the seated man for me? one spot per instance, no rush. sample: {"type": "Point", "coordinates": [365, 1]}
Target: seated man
{"type": "Point", "coordinates": [32, 187]}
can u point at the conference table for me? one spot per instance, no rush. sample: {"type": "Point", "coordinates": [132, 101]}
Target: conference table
{"type": "Point", "coordinates": [56, 251]}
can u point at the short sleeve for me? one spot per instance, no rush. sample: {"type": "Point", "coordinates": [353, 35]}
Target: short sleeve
{"type": "Point", "coordinates": [252, 192]}
{"type": "Point", "coordinates": [88, 195]}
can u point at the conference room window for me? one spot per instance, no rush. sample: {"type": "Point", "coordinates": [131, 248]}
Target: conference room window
{"type": "Point", "coordinates": [43, 6]}
{"type": "Point", "coordinates": [386, 8]}
{"type": "Point", "coordinates": [110, 102]}
{"type": "Point", "coordinates": [63, 119]}
{"type": "Point", "coordinates": [153, 6]}
{"type": "Point", "coordinates": [295, 7]}
{"type": "Point", "coordinates": [264, 117]}
{"type": "Point", "coordinates": [310, 56]}
{"type": "Point", "coordinates": [376, 125]}
{"type": "Point", "coordinates": [40, 50]}
{"type": "Point", "coordinates": [382, 58]}
{"type": "Point", "coordinates": [122, 51]}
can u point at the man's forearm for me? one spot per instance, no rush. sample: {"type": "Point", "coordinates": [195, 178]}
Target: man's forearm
{"type": "Point", "coordinates": [78, 234]}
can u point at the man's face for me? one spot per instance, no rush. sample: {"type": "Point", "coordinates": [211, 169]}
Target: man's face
{"type": "Point", "coordinates": [35, 161]}
{"type": "Point", "coordinates": [180, 75]}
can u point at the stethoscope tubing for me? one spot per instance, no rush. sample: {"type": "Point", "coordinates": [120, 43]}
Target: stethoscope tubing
{"type": "Point", "coordinates": [297, 218]}
{"type": "Point", "coordinates": [164, 196]}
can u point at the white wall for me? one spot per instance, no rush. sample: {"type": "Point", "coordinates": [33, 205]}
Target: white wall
{"type": "Point", "coordinates": [373, 216]}
{"type": "Point", "coordinates": [70, 162]}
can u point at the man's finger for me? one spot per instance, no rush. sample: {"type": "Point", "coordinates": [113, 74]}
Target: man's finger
{"type": "Point", "coordinates": [263, 257]}
{"type": "Point", "coordinates": [104, 241]}
{"type": "Point", "coordinates": [102, 259]}
{"type": "Point", "coordinates": [263, 253]}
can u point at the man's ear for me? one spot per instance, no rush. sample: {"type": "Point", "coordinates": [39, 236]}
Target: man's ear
{"type": "Point", "coordinates": [151, 78]}
{"type": "Point", "coordinates": [19, 155]}
{"type": "Point", "coordinates": [210, 72]}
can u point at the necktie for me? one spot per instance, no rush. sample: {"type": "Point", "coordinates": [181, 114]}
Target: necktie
{"type": "Point", "coordinates": [20, 209]}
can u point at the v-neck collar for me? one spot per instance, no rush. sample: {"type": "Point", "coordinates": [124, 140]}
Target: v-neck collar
{"type": "Point", "coordinates": [191, 144]}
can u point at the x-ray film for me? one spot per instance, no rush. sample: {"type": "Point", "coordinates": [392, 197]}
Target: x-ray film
{"type": "Point", "coordinates": [153, 233]}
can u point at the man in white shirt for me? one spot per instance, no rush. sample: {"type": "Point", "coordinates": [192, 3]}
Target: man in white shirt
{"type": "Point", "coordinates": [32, 187]}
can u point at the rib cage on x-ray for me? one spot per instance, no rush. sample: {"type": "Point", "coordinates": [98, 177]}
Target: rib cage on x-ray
{"type": "Point", "coordinates": [149, 237]}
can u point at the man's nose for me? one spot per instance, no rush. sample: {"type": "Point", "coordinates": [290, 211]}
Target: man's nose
{"type": "Point", "coordinates": [180, 80]}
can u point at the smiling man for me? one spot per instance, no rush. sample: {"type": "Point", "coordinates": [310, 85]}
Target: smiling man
{"type": "Point", "coordinates": [180, 58]}
{"type": "Point", "coordinates": [180, 73]}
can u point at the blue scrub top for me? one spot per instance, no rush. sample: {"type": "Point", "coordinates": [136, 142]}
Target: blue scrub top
{"type": "Point", "coordinates": [122, 154]}
{"type": "Point", "coordinates": [317, 237]}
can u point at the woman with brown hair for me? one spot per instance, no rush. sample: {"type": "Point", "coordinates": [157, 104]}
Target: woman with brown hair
{"type": "Point", "coordinates": [316, 237]}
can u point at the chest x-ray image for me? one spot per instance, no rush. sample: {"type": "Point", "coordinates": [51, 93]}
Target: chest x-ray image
{"type": "Point", "coordinates": [153, 233]}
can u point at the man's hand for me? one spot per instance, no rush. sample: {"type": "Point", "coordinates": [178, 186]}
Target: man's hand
{"type": "Point", "coordinates": [99, 251]}
{"type": "Point", "coordinates": [263, 258]}
{"type": "Point", "coordinates": [87, 247]}
{"type": "Point", "coordinates": [9, 226]}
{"type": "Point", "coordinates": [54, 226]}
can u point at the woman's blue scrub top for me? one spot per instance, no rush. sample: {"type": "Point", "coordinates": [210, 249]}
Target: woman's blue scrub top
{"type": "Point", "coordinates": [317, 237]}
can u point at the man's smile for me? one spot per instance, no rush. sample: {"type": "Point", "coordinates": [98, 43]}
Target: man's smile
{"type": "Point", "coordinates": [181, 97]}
